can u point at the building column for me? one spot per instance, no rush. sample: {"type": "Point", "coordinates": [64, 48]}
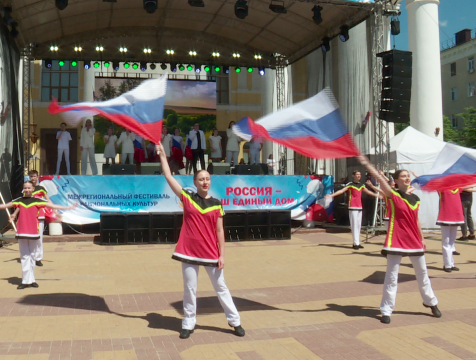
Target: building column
{"type": "Point", "coordinates": [426, 110]}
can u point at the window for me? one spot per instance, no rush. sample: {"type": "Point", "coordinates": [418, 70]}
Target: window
{"type": "Point", "coordinates": [454, 121]}
{"type": "Point", "coordinates": [454, 94]}
{"type": "Point", "coordinates": [471, 89]}
{"type": "Point", "coordinates": [453, 69]}
{"type": "Point", "coordinates": [59, 82]}
{"type": "Point", "coordinates": [223, 94]}
{"type": "Point", "coordinates": [471, 64]}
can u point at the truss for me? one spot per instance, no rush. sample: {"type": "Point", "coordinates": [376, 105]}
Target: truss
{"type": "Point", "coordinates": [281, 104]}
{"type": "Point", "coordinates": [26, 103]}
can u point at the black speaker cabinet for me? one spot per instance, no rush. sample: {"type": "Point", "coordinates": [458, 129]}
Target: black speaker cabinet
{"type": "Point", "coordinates": [123, 169]}
{"type": "Point", "coordinates": [113, 228]}
{"type": "Point", "coordinates": [138, 228]}
{"type": "Point", "coordinates": [255, 169]}
{"type": "Point", "coordinates": [106, 169]}
{"type": "Point", "coordinates": [219, 168]}
{"type": "Point", "coordinates": [235, 223]}
{"type": "Point", "coordinates": [279, 224]}
{"type": "Point", "coordinates": [151, 168]}
{"type": "Point", "coordinates": [258, 225]}
{"type": "Point", "coordinates": [178, 224]}
{"type": "Point", "coordinates": [163, 228]}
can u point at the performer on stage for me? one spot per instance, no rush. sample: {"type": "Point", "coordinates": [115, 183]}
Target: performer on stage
{"type": "Point", "coordinates": [405, 238]}
{"type": "Point", "coordinates": [198, 146]}
{"type": "Point", "coordinates": [63, 137]}
{"type": "Point", "coordinates": [232, 145]}
{"type": "Point", "coordinates": [110, 150]}
{"type": "Point", "coordinates": [215, 146]}
{"type": "Point", "coordinates": [187, 150]}
{"type": "Point", "coordinates": [166, 141]}
{"type": "Point", "coordinates": [140, 155]}
{"type": "Point", "coordinates": [27, 230]}
{"type": "Point", "coordinates": [201, 242]}
{"type": "Point", "coordinates": [176, 155]}
{"type": "Point", "coordinates": [127, 139]}
{"type": "Point", "coordinates": [87, 148]}
{"type": "Point", "coordinates": [256, 144]}
{"type": "Point", "coordinates": [354, 189]}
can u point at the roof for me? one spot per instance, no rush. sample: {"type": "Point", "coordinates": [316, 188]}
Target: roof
{"type": "Point", "coordinates": [181, 27]}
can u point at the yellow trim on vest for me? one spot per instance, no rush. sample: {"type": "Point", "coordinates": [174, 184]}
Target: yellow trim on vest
{"type": "Point", "coordinates": [39, 191]}
{"type": "Point", "coordinates": [350, 192]}
{"type": "Point", "coordinates": [29, 205]}
{"type": "Point", "coordinates": [454, 191]}
{"type": "Point", "coordinates": [202, 211]}
{"type": "Point", "coordinates": [413, 207]}
{"type": "Point", "coordinates": [391, 224]}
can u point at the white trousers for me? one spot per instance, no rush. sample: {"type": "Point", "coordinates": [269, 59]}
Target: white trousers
{"type": "Point", "coordinates": [39, 248]}
{"type": "Point", "coordinates": [448, 237]}
{"type": "Point", "coordinates": [391, 281]}
{"type": "Point", "coordinates": [232, 156]}
{"type": "Point", "coordinates": [88, 152]}
{"type": "Point", "coordinates": [125, 156]}
{"type": "Point", "coordinates": [190, 277]}
{"type": "Point", "coordinates": [28, 249]}
{"type": "Point", "coordinates": [254, 158]}
{"type": "Point", "coordinates": [355, 217]}
{"type": "Point", "coordinates": [60, 158]}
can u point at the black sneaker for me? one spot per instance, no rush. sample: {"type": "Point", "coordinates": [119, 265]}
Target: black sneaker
{"type": "Point", "coordinates": [38, 263]}
{"type": "Point", "coordinates": [434, 310]}
{"type": "Point", "coordinates": [360, 247]}
{"type": "Point", "coordinates": [456, 253]}
{"type": "Point", "coordinates": [239, 331]}
{"type": "Point", "coordinates": [355, 247]}
{"type": "Point", "coordinates": [185, 334]}
{"type": "Point", "coordinates": [471, 237]}
{"type": "Point", "coordinates": [463, 238]}
{"type": "Point", "coordinates": [385, 319]}
{"type": "Point", "coordinates": [447, 269]}
{"type": "Point", "coordinates": [454, 268]}
{"type": "Point", "coordinates": [35, 285]}
{"type": "Point", "coordinates": [22, 286]}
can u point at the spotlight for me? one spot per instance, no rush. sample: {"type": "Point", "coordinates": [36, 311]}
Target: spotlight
{"type": "Point", "coordinates": [123, 49]}
{"type": "Point", "coordinates": [74, 63]}
{"type": "Point", "coordinates": [196, 3]}
{"type": "Point", "coordinates": [115, 65]}
{"type": "Point", "coordinates": [344, 33]}
{"type": "Point", "coordinates": [78, 48]}
{"type": "Point", "coordinates": [238, 69]}
{"type": "Point", "coordinates": [127, 65]}
{"type": "Point", "coordinates": [192, 53]}
{"type": "Point", "coordinates": [173, 67]}
{"type": "Point", "coordinates": [135, 66]}
{"type": "Point", "coordinates": [48, 63]}
{"type": "Point", "coordinates": [217, 69]}
{"type": "Point", "coordinates": [99, 48]}
{"type": "Point", "coordinates": [189, 67]}
{"type": "Point", "coordinates": [96, 64]}
{"type": "Point", "coordinates": [395, 26]}
{"type": "Point", "coordinates": [215, 54]}
{"type": "Point", "coordinates": [261, 70]}
{"type": "Point", "coordinates": [147, 50]}
{"type": "Point", "coordinates": [54, 48]}
{"type": "Point", "coordinates": [226, 69]}
{"type": "Point", "coordinates": [206, 68]}
{"type": "Point", "coordinates": [87, 64]}
{"type": "Point", "coordinates": [7, 15]}
{"type": "Point", "coordinates": [258, 57]}
{"type": "Point", "coordinates": [106, 64]}
{"type": "Point", "coordinates": [181, 67]}
{"type": "Point", "coordinates": [197, 70]}
{"type": "Point", "coordinates": [143, 66]}
{"type": "Point", "coordinates": [164, 66]}
{"type": "Point", "coordinates": [241, 9]}
{"type": "Point", "coordinates": [317, 18]}
{"type": "Point", "coordinates": [236, 55]}
{"type": "Point", "coordinates": [249, 69]}
{"type": "Point", "coordinates": [170, 52]}
{"type": "Point", "coordinates": [152, 66]}
{"type": "Point", "coordinates": [150, 6]}
{"type": "Point", "coordinates": [277, 7]}
{"type": "Point", "coordinates": [14, 32]}
{"type": "Point", "coordinates": [326, 45]}
{"type": "Point", "coordinates": [61, 4]}
{"type": "Point", "coordinates": [61, 63]}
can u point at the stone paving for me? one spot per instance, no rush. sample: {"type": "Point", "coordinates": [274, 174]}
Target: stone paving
{"type": "Point", "coordinates": [311, 297]}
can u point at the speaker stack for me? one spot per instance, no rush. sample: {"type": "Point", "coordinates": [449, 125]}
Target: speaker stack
{"type": "Point", "coordinates": [396, 86]}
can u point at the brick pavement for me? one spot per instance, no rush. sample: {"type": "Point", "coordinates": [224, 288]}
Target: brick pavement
{"type": "Point", "coordinates": [311, 297]}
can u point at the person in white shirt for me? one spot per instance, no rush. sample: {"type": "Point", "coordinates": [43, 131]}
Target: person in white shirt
{"type": "Point", "coordinates": [166, 142]}
{"type": "Point", "coordinates": [255, 148]}
{"type": "Point", "coordinates": [215, 145]}
{"type": "Point", "coordinates": [271, 164]}
{"type": "Point", "coordinates": [127, 140]}
{"type": "Point", "coordinates": [87, 148]}
{"type": "Point", "coordinates": [232, 145]}
{"type": "Point", "coordinates": [110, 149]}
{"type": "Point", "coordinates": [198, 146]}
{"type": "Point", "coordinates": [63, 137]}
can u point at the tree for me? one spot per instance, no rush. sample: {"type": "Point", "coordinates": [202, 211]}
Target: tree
{"type": "Point", "coordinates": [399, 127]}
{"type": "Point", "coordinates": [450, 134]}
{"type": "Point", "coordinates": [107, 91]}
{"type": "Point", "coordinates": [128, 85]}
{"type": "Point", "coordinates": [468, 133]}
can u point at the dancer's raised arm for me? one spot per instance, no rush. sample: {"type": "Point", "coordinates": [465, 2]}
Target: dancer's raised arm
{"type": "Point", "coordinates": [387, 190]}
{"type": "Point", "coordinates": [174, 185]}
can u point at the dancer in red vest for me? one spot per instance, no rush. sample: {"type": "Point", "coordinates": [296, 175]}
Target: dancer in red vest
{"type": "Point", "coordinates": [28, 230]}
{"type": "Point", "coordinates": [201, 243]}
{"type": "Point", "coordinates": [354, 189]}
{"type": "Point", "coordinates": [404, 238]}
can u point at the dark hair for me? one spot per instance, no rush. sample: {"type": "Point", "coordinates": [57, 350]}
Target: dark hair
{"type": "Point", "coordinates": [63, 123]}
{"type": "Point", "coordinates": [196, 174]}
{"type": "Point", "coordinates": [33, 172]}
{"type": "Point", "coordinates": [229, 125]}
{"type": "Point", "coordinates": [29, 182]}
{"type": "Point", "coordinates": [396, 175]}
{"type": "Point", "coordinates": [355, 172]}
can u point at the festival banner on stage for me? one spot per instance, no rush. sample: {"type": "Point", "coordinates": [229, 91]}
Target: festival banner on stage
{"type": "Point", "coordinates": [303, 195]}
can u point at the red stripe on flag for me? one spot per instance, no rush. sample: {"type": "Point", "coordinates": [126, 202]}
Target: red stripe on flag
{"type": "Point", "coordinates": [450, 182]}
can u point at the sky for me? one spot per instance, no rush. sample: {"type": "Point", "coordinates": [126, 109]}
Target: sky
{"type": "Point", "coordinates": [454, 15]}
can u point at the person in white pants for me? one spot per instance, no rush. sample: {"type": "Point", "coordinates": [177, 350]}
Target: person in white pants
{"type": "Point", "coordinates": [232, 145]}
{"type": "Point", "coordinates": [404, 238]}
{"type": "Point", "coordinates": [127, 140]}
{"type": "Point", "coordinates": [87, 148]}
{"type": "Point", "coordinates": [201, 243]}
{"type": "Point", "coordinates": [63, 137]}
{"type": "Point", "coordinates": [256, 145]}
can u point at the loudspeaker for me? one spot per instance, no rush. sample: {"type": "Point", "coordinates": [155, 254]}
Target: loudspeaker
{"type": "Point", "coordinates": [138, 228]}
{"type": "Point", "coordinates": [163, 228]}
{"type": "Point", "coordinates": [258, 225]}
{"type": "Point", "coordinates": [151, 168]}
{"type": "Point", "coordinates": [106, 169]}
{"type": "Point", "coordinates": [235, 224]}
{"type": "Point", "coordinates": [219, 168]}
{"type": "Point", "coordinates": [113, 228]}
{"type": "Point", "coordinates": [396, 86]}
{"type": "Point", "coordinates": [280, 224]}
{"type": "Point", "coordinates": [123, 169]}
{"type": "Point", "coordinates": [255, 169]}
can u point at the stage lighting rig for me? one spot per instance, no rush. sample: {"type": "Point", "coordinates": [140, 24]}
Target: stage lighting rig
{"type": "Point", "coordinates": [249, 69]}
{"type": "Point", "coordinates": [226, 69]}
{"type": "Point", "coordinates": [261, 70]}
{"type": "Point", "coordinates": [317, 17]}
{"type": "Point", "coordinates": [206, 68]}
{"type": "Point", "coordinates": [152, 66]}
{"type": "Point", "coordinates": [106, 64]}
{"type": "Point", "coordinates": [189, 67]}
{"type": "Point", "coordinates": [61, 63]}
{"type": "Point", "coordinates": [173, 67]}
{"type": "Point", "coordinates": [181, 67]}
{"type": "Point", "coordinates": [326, 44]}
{"type": "Point", "coordinates": [87, 64]}
{"type": "Point", "coordinates": [115, 65]}
{"type": "Point", "coordinates": [344, 33]}
{"type": "Point", "coordinates": [61, 4]}
{"type": "Point", "coordinates": [277, 7]}
{"type": "Point", "coordinates": [74, 63]}
{"type": "Point", "coordinates": [241, 9]}
{"type": "Point", "coordinates": [217, 69]}
{"type": "Point", "coordinates": [48, 63]}
{"type": "Point", "coordinates": [395, 26]}
{"type": "Point", "coordinates": [127, 65]}
{"type": "Point", "coordinates": [96, 65]}
{"type": "Point", "coordinates": [196, 3]}
{"type": "Point", "coordinates": [150, 6]}
{"type": "Point", "coordinates": [135, 66]}
{"type": "Point", "coordinates": [197, 69]}
{"type": "Point", "coordinates": [143, 66]}
{"type": "Point", "coordinates": [237, 69]}
{"type": "Point", "coordinates": [163, 66]}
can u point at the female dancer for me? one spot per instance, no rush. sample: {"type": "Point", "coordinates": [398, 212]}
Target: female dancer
{"type": "Point", "coordinates": [27, 230]}
{"type": "Point", "coordinates": [404, 238]}
{"type": "Point", "coordinates": [215, 146]}
{"type": "Point", "coordinates": [176, 156]}
{"type": "Point", "coordinates": [110, 149]}
{"type": "Point", "coordinates": [232, 145]}
{"type": "Point", "coordinates": [201, 242]}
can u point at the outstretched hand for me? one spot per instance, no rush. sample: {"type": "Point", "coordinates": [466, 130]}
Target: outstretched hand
{"type": "Point", "coordinates": [221, 263]}
{"type": "Point", "coordinates": [159, 148]}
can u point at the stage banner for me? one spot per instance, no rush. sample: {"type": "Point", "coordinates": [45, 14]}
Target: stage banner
{"type": "Point", "coordinates": [303, 195]}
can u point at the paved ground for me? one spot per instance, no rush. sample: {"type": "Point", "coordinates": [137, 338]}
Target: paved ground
{"type": "Point", "coordinates": [311, 297]}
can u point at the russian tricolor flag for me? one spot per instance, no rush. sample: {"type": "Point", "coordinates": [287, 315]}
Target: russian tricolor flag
{"type": "Point", "coordinates": [454, 168]}
{"type": "Point", "coordinates": [313, 127]}
{"type": "Point", "coordinates": [140, 110]}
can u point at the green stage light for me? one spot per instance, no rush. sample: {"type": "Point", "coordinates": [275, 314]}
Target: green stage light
{"type": "Point", "coordinates": [96, 64]}
{"type": "Point", "coordinates": [250, 69]}
{"type": "Point", "coordinates": [106, 64]}
{"type": "Point", "coordinates": [135, 66]}
{"type": "Point", "coordinates": [74, 63]}
{"type": "Point", "coordinates": [189, 67]}
{"type": "Point", "coordinates": [127, 65]}
{"type": "Point", "coordinates": [238, 70]}
{"type": "Point", "coordinates": [206, 68]}
{"type": "Point", "coordinates": [181, 67]}
{"type": "Point", "coordinates": [217, 69]}
{"type": "Point", "coordinates": [61, 63]}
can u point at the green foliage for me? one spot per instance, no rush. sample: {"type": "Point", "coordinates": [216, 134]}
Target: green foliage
{"type": "Point", "coordinates": [451, 134]}
{"type": "Point", "coordinates": [399, 127]}
{"type": "Point", "coordinates": [108, 91]}
{"type": "Point", "coordinates": [466, 135]}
